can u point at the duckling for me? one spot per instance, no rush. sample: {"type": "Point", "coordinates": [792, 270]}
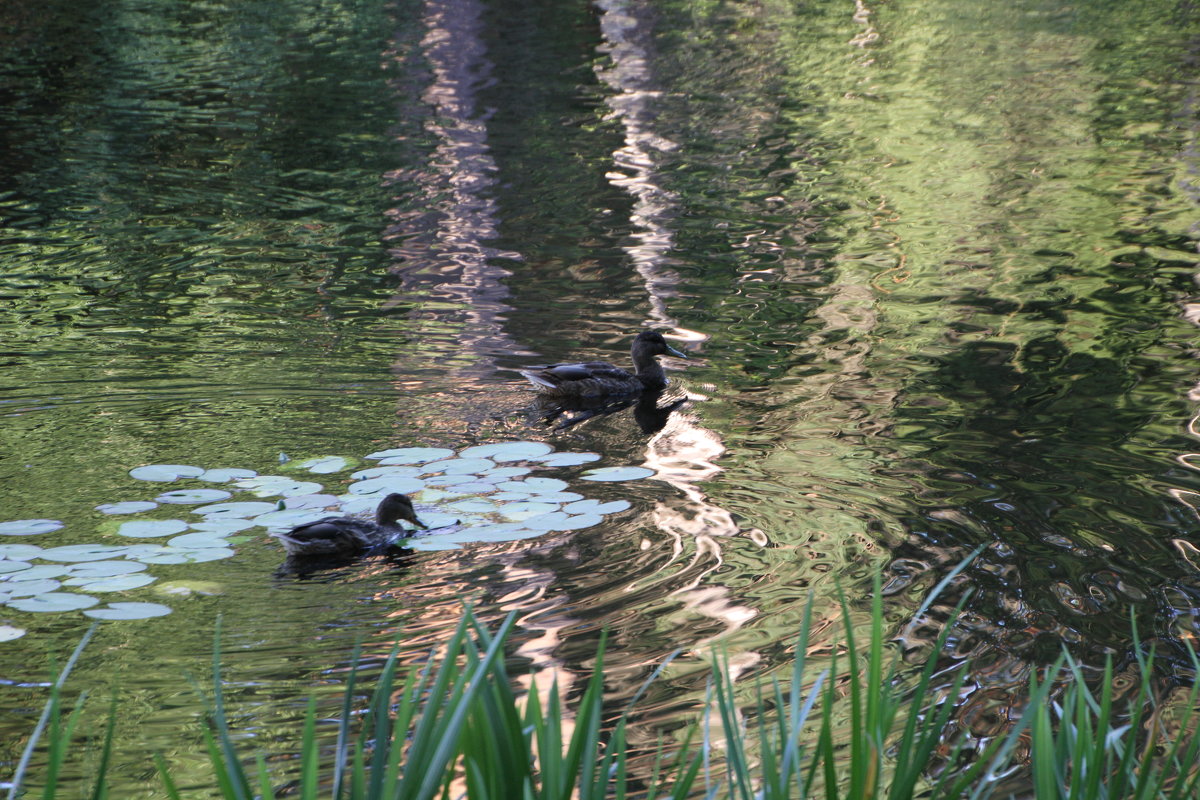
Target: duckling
{"type": "Point", "coordinates": [347, 536]}
{"type": "Point", "coordinates": [599, 378]}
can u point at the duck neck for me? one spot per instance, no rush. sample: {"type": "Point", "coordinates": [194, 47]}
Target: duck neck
{"type": "Point", "coordinates": [648, 370]}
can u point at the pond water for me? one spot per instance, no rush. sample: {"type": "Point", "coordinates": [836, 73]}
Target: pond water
{"type": "Point", "coordinates": [933, 265]}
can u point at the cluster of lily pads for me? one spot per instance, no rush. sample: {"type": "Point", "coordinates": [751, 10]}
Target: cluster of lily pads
{"type": "Point", "coordinates": [484, 493]}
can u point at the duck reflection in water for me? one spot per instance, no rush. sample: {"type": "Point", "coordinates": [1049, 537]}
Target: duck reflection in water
{"type": "Point", "coordinates": [649, 415]}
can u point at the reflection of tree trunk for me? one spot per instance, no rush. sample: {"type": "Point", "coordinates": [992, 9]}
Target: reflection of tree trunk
{"type": "Point", "coordinates": [442, 246]}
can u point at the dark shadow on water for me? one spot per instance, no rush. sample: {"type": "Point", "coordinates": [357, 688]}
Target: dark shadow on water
{"type": "Point", "coordinates": [328, 569]}
{"type": "Point", "coordinates": [649, 415]}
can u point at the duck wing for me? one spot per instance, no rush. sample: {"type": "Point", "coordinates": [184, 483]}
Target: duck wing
{"type": "Point", "coordinates": [557, 374]}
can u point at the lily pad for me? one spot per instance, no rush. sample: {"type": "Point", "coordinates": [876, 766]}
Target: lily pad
{"type": "Point", "coordinates": [431, 495]}
{"type": "Point", "coordinates": [322, 466]}
{"type": "Point", "coordinates": [617, 474]}
{"type": "Point", "coordinates": [9, 565]}
{"type": "Point", "coordinates": [165, 473]}
{"type": "Point", "coordinates": [117, 583]}
{"type": "Point", "coordinates": [458, 466]}
{"type": "Point", "coordinates": [379, 472]}
{"type": "Point", "coordinates": [596, 507]}
{"type": "Point", "coordinates": [31, 588]}
{"type": "Point", "coordinates": [129, 611]}
{"type": "Point", "coordinates": [145, 528]}
{"type": "Point", "coordinates": [474, 506]}
{"type": "Point", "coordinates": [504, 473]}
{"type": "Point", "coordinates": [567, 459]}
{"type": "Point", "coordinates": [511, 497]}
{"type": "Point", "coordinates": [277, 486]}
{"type": "Point", "coordinates": [234, 510]}
{"type": "Point", "coordinates": [557, 497]}
{"type": "Point", "coordinates": [508, 451]}
{"type": "Point", "coordinates": [193, 496]}
{"type": "Point", "coordinates": [310, 501]}
{"type": "Point", "coordinates": [222, 526]}
{"type": "Point", "coordinates": [522, 511]}
{"type": "Point", "coordinates": [559, 521]}
{"type": "Point", "coordinates": [19, 552]}
{"type": "Point", "coordinates": [188, 588]}
{"type": "Point", "coordinates": [226, 475]}
{"type": "Point", "coordinates": [355, 504]}
{"type": "Point", "coordinates": [411, 455]}
{"type": "Point", "coordinates": [187, 555]}
{"type": "Point", "coordinates": [54, 601]}
{"type": "Point", "coordinates": [199, 539]}
{"type": "Point", "coordinates": [38, 572]}
{"type": "Point", "coordinates": [450, 480]}
{"type": "Point", "coordinates": [533, 485]}
{"type": "Point", "coordinates": [82, 552]}
{"type": "Point", "coordinates": [9, 632]}
{"type": "Point", "coordinates": [29, 527]}
{"type": "Point", "coordinates": [126, 507]}
{"type": "Point", "coordinates": [438, 519]}
{"type": "Point", "coordinates": [472, 487]}
{"type": "Point", "coordinates": [386, 485]}
{"type": "Point", "coordinates": [104, 569]}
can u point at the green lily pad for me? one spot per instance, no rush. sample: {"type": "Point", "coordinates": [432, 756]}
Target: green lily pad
{"type": "Point", "coordinates": [9, 632]}
{"type": "Point", "coordinates": [474, 506]}
{"type": "Point", "coordinates": [127, 507]}
{"type": "Point", "coordinates": [458, 466]}
{"type": "Point", "coordinates": [424, 496]}
{"type": "Point", "coordinates": [559, 521]}
{"type": "Point", "coordinates": [521, 511]}
{"type": "Point", "coordinates": [508, 451]}
{"type": "Point", "coordinates": [193, 496]}
{"type": "Point", "coordinates": [199, 539]}
{"type": "Point", "coordinates": [29, 527]}
{"type": "Point", "coordinates": [511, 497]}
{"type": "Point", "coordinates": [234, 510]}
{"type": "Point", "coordinates": [379, 472]}
{"type": "Point", "coordinates": [165, 473]}
{"type": "Point", "coordinates": [9, 565]}
{"type": "Point", "coordinates": [277, 486]}
{"type": "Point", "coordinates": [410, 455]}
{"type": "Point", "coordinates": [473, 487]}
{"type": "Point", "coordinates": [53, 602]}
{"type": "Point", "coordinates": [449, 480]}
{"type": "Point", "coordinates": [322, 466]}
{"type": "Point", "coordinates": [117, 583]}
{"type": "Point", "coordinates": [37, 573]}
{"type": "Point", "coordinates": [104, 569]}
{"type": "Point", "coordinates": [386, 485]}
{"type": "Point", "coordinates": [556, 497]}
{"type": "Point", "coordinates": [503, 473]}
{"type": "Point", "coordinates": [533, 485]}
{"type": "Point", "coordinates": [567, 459]}
{"type": "Point", "coordinates": [438, 519]}
{"type": "Point", "coordinates": [226, 475]}
{"type": "Point", "coordinates": [617, 474]}
{"type": "Point", "coordinates": [310, 501]}
{"type": "Point", "coordinates": [82, 552]}
{"type": "Point", "coordinates": [31, 588]}
{"type": "Point", "coordinates": [129, 611]}
{"type": "Point", "coordinates": [188, 588]}
{"type": "Point", "coordinates": [596, 507]}
{"type": "Point", "coordinates": [146, 528]}
{"type": "Point", "coordinates": [222, 526]}
{"type": "Point", "coordinates": [19, 552]}
{"type": "Point", "coordinates": [187, 555]}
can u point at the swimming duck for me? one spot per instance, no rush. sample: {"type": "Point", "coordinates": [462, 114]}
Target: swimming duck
{"type": "Point", "coordinates": [599, 378]}
{"type": "Point", "coordinates": [347, 536]}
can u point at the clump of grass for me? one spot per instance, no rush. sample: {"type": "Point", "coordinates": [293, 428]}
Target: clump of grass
{"type": "Point", "coordinates": [454, 727]}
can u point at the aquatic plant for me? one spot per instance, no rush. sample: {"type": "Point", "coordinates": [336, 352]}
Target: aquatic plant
{"type": "Point", "coordinates": [456, 721]}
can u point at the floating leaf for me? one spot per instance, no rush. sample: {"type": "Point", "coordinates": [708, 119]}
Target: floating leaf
{"type": "Point", "coordinates": [37, 573]}
{"type": "Point", "coordinates": [567, 459]}
{"type": "Point", "coordinates": [193, 496]}
{"type": "Point", "coordinates": [19, 552]}
{"type": "Point", "coordinates": [82, 552]}
{"type": "Point", "coordinates": [431, 495]}
{"type": "Point", "coordinates": [277, 486]}
{"type": "Point", "coordinates": [310, 501]}
{"type": "Point", "coordinates": [354, 504]}
{"type": "Point", "coordinates": [473, 487]}
{"type": "Point", "coordinates": [379, 472]}
{"type": "Point", "coordinates": [104, 569]}
{"type": "Point", "coordinates": [449, 480]}
{"type": "Point", "coordinates": [617, 474]}
{"type": "Point", "coordinates": [54, 601]}
{"type": "Point", "coordinates": [187, 555]}
{"type": "Point", "coordinates": [187, 588]}
{"type": "Point", "coordinates": [31, 588]}
{"type": "Point", "coordinates": [533, 485]}
{"type": "Point", "coordinates": [322, 466]}
{"type": "Point", "coordinates": [127, 507]}
{"type": "Point", "coordinates": [118, 583]}
{"type": "Point", "coordinates": [458, 466]}
{"type": "Point", "coordinates": [596, 507]}
{"type": "Point", "coordinates": [559, 521]}
{"type": "Point", "coordinates": [411, 455]}
{"type": "Point", "coordinates": [386, 485]}
{"type": "Point", "coordinates": [474, 506]}
{"type": "Point", "coordinates": [234, 510]}
{"type": "Point", "coordinates": [8, 565]}
{"type": "Point", "coordinates": [226, 475]}
{"type": "Point", "coordinates": [503, 473]}
{"type": "Point", "coordinates": [201, 539]}
{"type": "Point", "coordinates": [521, 511]}
{"type": "Point", "coordinates": [438, 519]}
{"type": "Point", "coordinates": [165, 473]}
{"type": "Point", "coordinates": [129, 611]}
{"type": "Point", "coordinates": [145, 528]}
{"type": "Point", "coordinates": [511, 496]}
{"type": "Point", "coordinates": [557, 497]}
{"type": "Point", "coordinates": [508, 451]}
{"type": "Point", "coordinates": [222, 526]}
{"type": "Point", "coordinates": [29, 527]}
{"type": "Point", "coordinates": [8, 633]}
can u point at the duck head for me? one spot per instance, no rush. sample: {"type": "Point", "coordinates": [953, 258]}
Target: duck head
{"type": "Point", "coordinates": [397, 507]}
{"type": "Point", "coordinates": [652, 343]}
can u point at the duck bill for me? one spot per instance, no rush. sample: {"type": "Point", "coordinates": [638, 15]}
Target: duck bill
{"type": "Point", "coordinates": [419, 524]}
{"type": "Point", "coordinates": [675, 352]}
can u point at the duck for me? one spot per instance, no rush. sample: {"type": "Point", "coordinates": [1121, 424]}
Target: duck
{"type": "Point", "coordinates": [600, 379]}
{"type": "Point", "coordinates": [349, 536]}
